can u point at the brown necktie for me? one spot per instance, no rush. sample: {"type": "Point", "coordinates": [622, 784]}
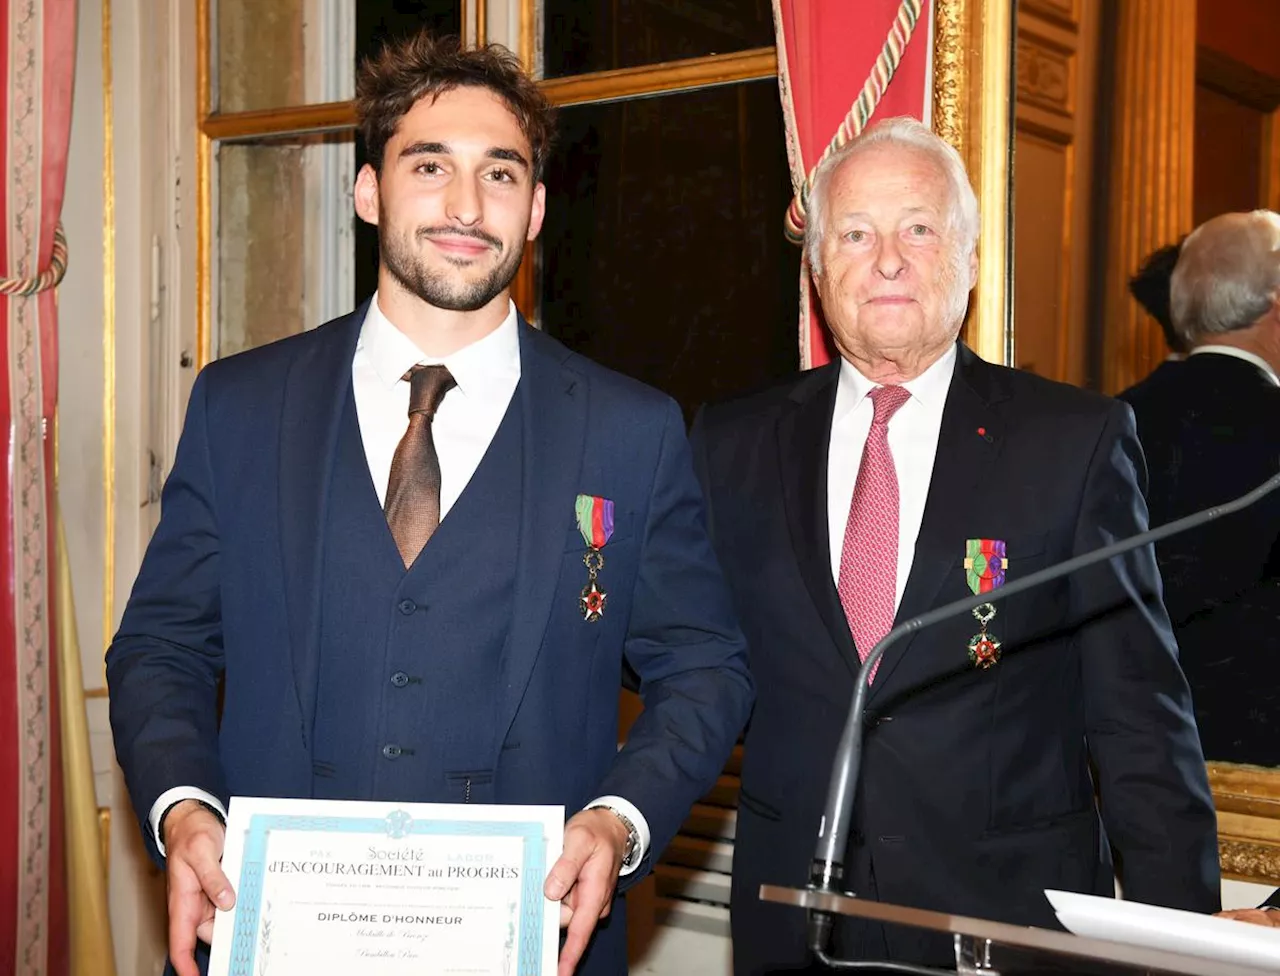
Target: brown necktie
{"type": "Point", "coordinates": [413, 490]}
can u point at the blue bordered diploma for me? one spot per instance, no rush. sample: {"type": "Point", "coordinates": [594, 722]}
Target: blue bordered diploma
{"type": "Point", "coordinates": [385, 889]}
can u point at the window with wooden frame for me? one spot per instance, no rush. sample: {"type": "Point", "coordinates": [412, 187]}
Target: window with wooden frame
{"type": "Point", "coordinates": [662, 255]}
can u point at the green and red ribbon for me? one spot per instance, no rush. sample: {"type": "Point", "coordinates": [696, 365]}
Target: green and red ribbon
{"type": "Point", "coordinates": [984, 564]}
{"type": "Point", "coordinates": [595, 520]}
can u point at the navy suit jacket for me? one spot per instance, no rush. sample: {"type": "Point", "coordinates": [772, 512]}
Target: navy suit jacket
{"type": "Point", "coordinates": [976, 788]}
{"type": "Point", "coordinates": [229, 591]}
{"type": "Point", "coordinates": [1210, 430]}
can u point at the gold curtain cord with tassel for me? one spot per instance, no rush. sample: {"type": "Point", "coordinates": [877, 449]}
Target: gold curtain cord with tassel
{"type": "Point", "coordinates": [873, 90]}
{"type": "Point", "coordinates": [50, 277]}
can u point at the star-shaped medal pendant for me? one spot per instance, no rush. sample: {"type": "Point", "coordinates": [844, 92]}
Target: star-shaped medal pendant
{"type": "Point", "coordinates": [592, 602]}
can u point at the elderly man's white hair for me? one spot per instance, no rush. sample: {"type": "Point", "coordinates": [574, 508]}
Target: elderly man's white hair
{"type": "Point", "coordinates": [910, 134]}
{"type": "Point", "coordinates": [1227, 276]}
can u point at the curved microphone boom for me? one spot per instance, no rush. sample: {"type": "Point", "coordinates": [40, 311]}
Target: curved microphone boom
{"type": "Point", "coordinates": [833, 831]}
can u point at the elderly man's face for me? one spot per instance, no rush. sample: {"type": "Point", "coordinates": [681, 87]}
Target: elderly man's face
{"type": "Point", "coordinates": [894, 283]}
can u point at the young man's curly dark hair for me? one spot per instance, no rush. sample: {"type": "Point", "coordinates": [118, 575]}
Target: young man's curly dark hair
{"type": "Point", "coordinates": [420, 65]}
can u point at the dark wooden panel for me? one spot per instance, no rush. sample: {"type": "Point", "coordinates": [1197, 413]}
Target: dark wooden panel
{"type": "Point", "coordinates": [662, 254]}
{"type": "Point", "coordinates": [1228, 155]}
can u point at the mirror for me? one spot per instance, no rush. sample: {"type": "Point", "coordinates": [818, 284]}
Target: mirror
{"type": "Point", "coordinates": [1124, 139]}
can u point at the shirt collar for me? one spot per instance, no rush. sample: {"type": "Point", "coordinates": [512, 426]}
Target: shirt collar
{"type": "Point", "coordinates": [494, 359]}
{"type": "Point", "coordinates": [1244, 354]}
{"type": "Point", "coordinates": [929, 388]}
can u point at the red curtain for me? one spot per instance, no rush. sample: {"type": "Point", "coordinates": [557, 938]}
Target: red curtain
{"type": "Point", "coordinates": [37, 60]}
{"type": "Point", "coordinates": [827, 51]}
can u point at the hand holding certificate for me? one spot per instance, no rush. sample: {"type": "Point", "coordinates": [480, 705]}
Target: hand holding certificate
{"type": "Point", "coordinates": [387, 888]}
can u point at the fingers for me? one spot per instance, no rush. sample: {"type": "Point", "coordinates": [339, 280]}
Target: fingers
{"type": "Point", "coordinates": [588, 901]}
{"type": "Point", "coordinates": [576, 938]}
{"type": "Point", "coordinates": [591, 835]}
{"type": "Point", "coordinates": [565, 871]}
{"type": "Point", "coordinates": [196, 840]}
{"type": "Point", "coordinates": [1255, 916]}
{"type": "Point", "coordinates": [182, 943]}
{"type": "Point", "coordinates": [583, 879]}
{"type": "Point", "coordinates": [190, 917]}
{"type": "Point", "coordinates": [214, 884]}
{"type": "Point", "coordinates": [196, 882]}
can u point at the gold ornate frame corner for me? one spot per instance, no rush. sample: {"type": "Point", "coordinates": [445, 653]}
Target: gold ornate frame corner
{"type": "Point", "coordinates": [1248, 803]}
{"type": "Point", "coordinates": [972, 98]}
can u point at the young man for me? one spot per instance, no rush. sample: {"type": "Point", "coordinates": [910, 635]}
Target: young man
{"type": "Point", "coordinates": [370, 536]}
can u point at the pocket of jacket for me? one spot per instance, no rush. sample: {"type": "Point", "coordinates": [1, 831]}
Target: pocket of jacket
{"type": "Point", "coordinates": [466, 784]}
{"type": "Point", "coordinates": [1017, 547]}
{"type": "Point", "coordinates": [623, 529]}
{"type": "Point", "coordinates": [1066, 823]}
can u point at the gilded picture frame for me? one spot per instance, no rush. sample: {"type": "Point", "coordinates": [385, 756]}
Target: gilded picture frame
{"type": "Point", "coordinates": [972, 98]}
{"type": "Point", "coordinates": [1248, 803]}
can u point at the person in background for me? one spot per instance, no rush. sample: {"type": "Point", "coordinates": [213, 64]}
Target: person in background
{"type": "Point", "coordinates": [1210, 431]}
{"type": "Point", "coordinates": [1150, 289]}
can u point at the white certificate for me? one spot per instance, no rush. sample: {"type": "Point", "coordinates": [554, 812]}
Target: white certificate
{"type": "Point", "coordinates": [384, 889]}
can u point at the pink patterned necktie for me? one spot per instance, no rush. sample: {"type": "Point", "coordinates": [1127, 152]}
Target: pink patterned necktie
{"type": "Point", "coordinates": [869, 559]}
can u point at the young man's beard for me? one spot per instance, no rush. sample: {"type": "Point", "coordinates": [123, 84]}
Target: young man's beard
{"type": "Point", "coordinates": [441, 289]}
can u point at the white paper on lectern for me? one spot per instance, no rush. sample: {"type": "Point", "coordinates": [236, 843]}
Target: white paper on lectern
{"type": "Point", "coordinates": [387, 889]}
{"type": "Point", "coordinates": [1151, 927]}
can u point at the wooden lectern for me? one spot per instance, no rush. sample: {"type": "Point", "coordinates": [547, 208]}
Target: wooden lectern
{"type": "Point", "coordinates": [986, 948]}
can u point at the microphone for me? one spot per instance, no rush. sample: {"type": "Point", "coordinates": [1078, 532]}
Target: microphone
{"type": "Point", "coordinates": [833, 831]}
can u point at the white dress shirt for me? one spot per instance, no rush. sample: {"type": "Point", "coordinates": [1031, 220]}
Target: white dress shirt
{"type": "Point", "coordinates": [486, 373]}
{"type": "Point", "coordinates": [1244, 354]}
{"type": "Point", "coordinates": [913, 440]}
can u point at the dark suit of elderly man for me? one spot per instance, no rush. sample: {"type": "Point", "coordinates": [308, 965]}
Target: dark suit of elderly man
{"type": "Point", "coordinates": [904, 475]}
{"type": "Point", "coordinates": [1210, 431]}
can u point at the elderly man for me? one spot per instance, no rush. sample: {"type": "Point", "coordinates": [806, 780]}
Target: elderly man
{"type": "Point", "coordinates": [905, 475]}
{"type": "Point", "coordinates": [1211, 431]}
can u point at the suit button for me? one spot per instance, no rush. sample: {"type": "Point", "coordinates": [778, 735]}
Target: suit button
{"type": "Point", "coordinates": [407, 607]}
{"type": "Point", "coordinates": [399, 679]}
{"type": "Point", "coordinates": [391, 752]}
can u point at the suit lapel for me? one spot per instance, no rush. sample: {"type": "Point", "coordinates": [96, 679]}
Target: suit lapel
{"type": "Point", "coordinates": [316, 391]}
{"type": "Point", "coordinates": [963, 457]}
{"type": "Point", "coordinates": [804, 435]}
{"type": "Point", "coordinates": [554, 405]}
